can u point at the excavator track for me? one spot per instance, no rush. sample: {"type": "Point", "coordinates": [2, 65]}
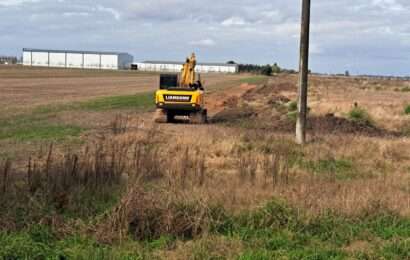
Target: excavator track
{"type": "Point", "coordinates": [160, 116]}
{"type": "Point", "coordinates": [198, 118]}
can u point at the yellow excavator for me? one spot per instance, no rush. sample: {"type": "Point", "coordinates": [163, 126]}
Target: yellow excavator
{"type": "Point", "coordinates": [181, 95]}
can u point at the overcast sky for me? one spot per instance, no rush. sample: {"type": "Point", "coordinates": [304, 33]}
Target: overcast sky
{"type": "Point", "coordinates": [362, 36]}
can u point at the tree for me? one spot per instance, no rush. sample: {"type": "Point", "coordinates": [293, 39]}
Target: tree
{"type": "Point", "coordinates": [231, 62]}
{"type": "Point", "coordinates": [276, 69]}
{"type": "Point", "coordinates": [266, 70]}
{"type": "Point", "coordinates": [347, 73]}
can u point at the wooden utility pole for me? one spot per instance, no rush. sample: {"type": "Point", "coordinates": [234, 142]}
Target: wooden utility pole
{"type": "Point", "coordinates": [304, 73]}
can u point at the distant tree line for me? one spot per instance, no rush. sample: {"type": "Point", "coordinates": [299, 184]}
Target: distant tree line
{"type": "Point", "coordinates": [267, 70]}
{"type": "Point", "coordinates": [276, 69]}
{"type": "Point", "coordinates": [8, 60]}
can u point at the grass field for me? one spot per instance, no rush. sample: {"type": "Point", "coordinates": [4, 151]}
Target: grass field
{"type": "Point", "coordinates": [85, 174]}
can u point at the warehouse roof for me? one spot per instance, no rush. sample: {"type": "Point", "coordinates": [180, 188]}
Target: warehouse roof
{"type": "Point", "coordinates": [72, 51]}
{"type": "Point", "coordinates": [182, 63]}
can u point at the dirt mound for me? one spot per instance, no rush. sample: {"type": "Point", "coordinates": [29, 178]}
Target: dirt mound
{"type": "Point", "coordinates": [228, 98]}
{"type": "Point", "coordinates": [231, 102]}
{"type": "Point", "coordinates": [265, 107]}
{"type": "Point", "coordinates": [233, 114]}
{"type": "Point", "coordinates": [271, 88]}
{"type": "Point", "coordinates": [285, 124]}
{"type": "Point", "coordinates": [278, 100]}
{"type": "Point", "coordinates": [333, 124]}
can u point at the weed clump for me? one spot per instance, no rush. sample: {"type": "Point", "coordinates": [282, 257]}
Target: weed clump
{"type": "Point", "coordinates": [292, 111]}
{"type": "Point", "coordinates": [153, 214]}
{"type": "Point", "coordinates": [331, 167]}
{"type": "Point", "coordinates": [405, 89]}
{"type": "Point", "coordinates": [407, 110]}
{"type": "Point", "coordinates": [405, 129]}
{"type": "Point", "coordinates": [360, 115]}
{"type": "Point", "coordinates": [293, 106]}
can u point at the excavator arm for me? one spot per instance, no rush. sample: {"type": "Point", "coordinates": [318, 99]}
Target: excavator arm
{"type": "Point", "coordinates": [188, 75]}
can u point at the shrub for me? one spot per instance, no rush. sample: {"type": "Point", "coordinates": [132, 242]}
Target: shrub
{"type": "Point", "coordinates": [405, 129]}
{"type": "Point", "coordinates": [274, 215]}
{"type": "Point", "coordinates": [267, 70]}
{"type": "Point", "coordinates": [149, 215]}
{"type": "Point", "coordinates": [276, 69]}
{"type": "Point", "coordinates": [292, 116]}
{"type": "Point", "coordinates": [407, 110]}
{"type": "Point", "coordinates": [293, 106]}
{"type": "Point", "coordinates": [360, 115]}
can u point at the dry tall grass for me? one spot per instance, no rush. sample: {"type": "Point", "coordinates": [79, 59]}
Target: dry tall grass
{"type": "Point", "coordinates": [179, 180]}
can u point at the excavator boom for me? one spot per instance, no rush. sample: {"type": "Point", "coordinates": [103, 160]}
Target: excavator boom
{"type": "Point", "coordinates": [188, 75]}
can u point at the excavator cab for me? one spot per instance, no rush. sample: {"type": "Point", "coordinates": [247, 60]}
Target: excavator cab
{"type": "Point", "coordinates": [167, 81]}
{"type": "Point", "coordinates": [181, 95]}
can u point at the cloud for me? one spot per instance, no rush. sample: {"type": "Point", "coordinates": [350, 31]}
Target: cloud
{"type": "Point", "coordinates": [391, 5]}
{"type": "Point", "coordinates": [115, 13]}
{"type": "Point", "coordinates": [71, 14]}
{"type": "Point", "coordinates": [204, 43]}
{"type": "Point", "coordinates": [10, 3]}
{"type": "Point", "coordinates": [248, 31]}
{"type": "Point", "coordinates": [315, 49]}
{"type": "Point", "coordinates": [234, 21]}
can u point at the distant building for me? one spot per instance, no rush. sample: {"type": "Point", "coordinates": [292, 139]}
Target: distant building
{"type": "Point", "coordinates": [170, 66]}
{"type": "Point", "coordinates": [6, 60]}
{"type": "Point", "coordinates": [77, 59]}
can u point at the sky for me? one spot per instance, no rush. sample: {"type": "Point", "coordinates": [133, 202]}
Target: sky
{"type": "Point", "coordinates": [361, 36]}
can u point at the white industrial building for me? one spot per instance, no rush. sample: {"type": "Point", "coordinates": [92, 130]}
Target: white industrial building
{"type": "Point", "coordinates": [77, 59]}
{"type": "Point", "coordinates": [167, 66]}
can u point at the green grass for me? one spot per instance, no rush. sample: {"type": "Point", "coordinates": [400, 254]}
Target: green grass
{"type": "Point", "coordinates": [339, 168]}
{"type": "Point", "coordinates": [41, 132]}
{"type": "Point", "coordinates": [140, 102]}
{"type": "Point", "coordinates": [300, 253]}
{"type": "Point", "coordinates": [35, 127]}
{"type": "Point", "coordinates": [144, 101]}
{"type": "Point", "coordinates": [42, 244]}
{"type": "Point", "coordinates": [54, 108]}
{"type": "Point", "coordinates": [274, 231]}
{"type": "Point", "coordinates": [40, 123]}
{"type": "Point", "coordinates": [255, 80]}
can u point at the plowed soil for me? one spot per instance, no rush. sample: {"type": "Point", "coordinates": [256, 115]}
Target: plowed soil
{"type": "Point", "coordinates": [216, 102]}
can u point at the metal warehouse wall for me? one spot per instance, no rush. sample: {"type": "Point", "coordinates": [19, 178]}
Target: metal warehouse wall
{"type": "Point", "coordinates": [76, 59]}
{"type": "Point", "coordinates": [178, 67]}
